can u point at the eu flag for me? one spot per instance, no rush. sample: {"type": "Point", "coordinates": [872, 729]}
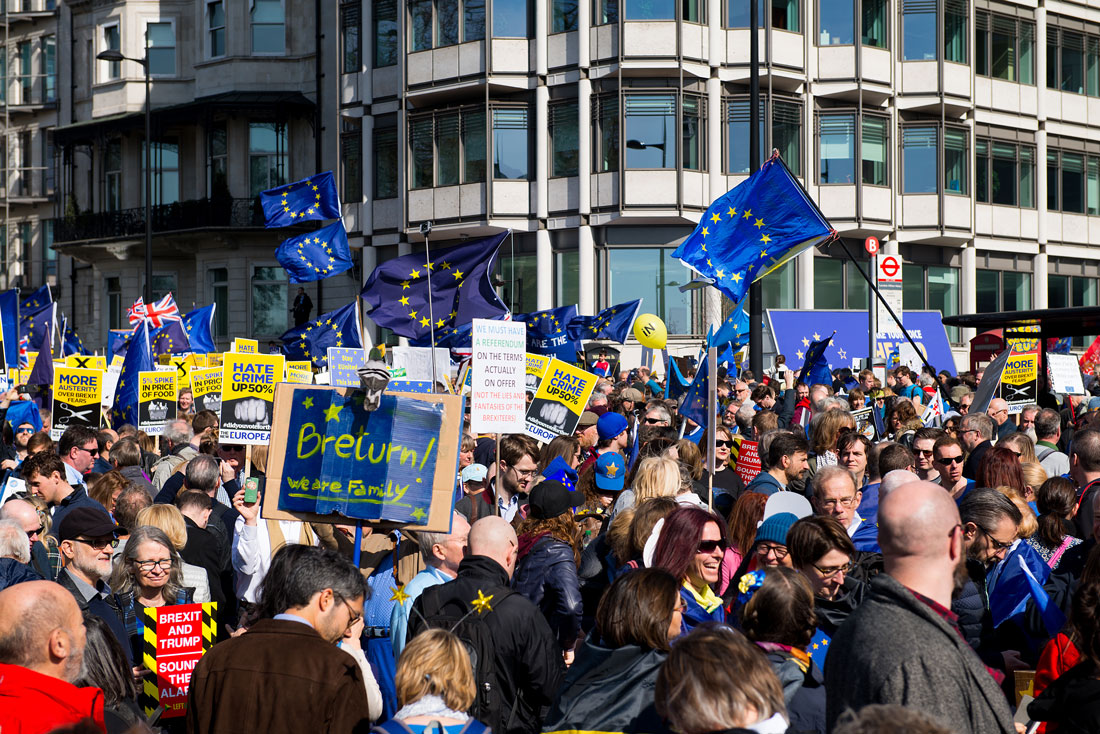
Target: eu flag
{"type": "Point", "coordinates": [734, 331]}
{"type": "Point", "coordinates": [457, 337]}
{"type": "Point", "coordinates": [815, 370]}
{"type": "Point", "coordinates": [694, 406]}
{"type": "Point", "coordinates": [315, 255]}
{"type": "Point", "coordinates": [139, 358]}
{"type": "Point", "coordinates": [42, 372]}
{"type": "Point", "coordinates": [546, 332]}
{"type": "Point", "coordinates": [72, 343]}
{"type": "Point", "coordinates": [170, 339]}
{"type": "Point", "coordinates": [311, 198]}
{"type": "Point", "coordinates": [612, 323]}
{"type": "Point", "coordinates": [9, 326]}
{"type": "Point", "coordinates": [1010, 583]}
{"type": "Point", "coordinates": [38, 299]}
{"type": "Point", "coordinates": [24, 411]}
{"type": "Point", "coordinates": [339, 328]}
{"type": "Point", "coordinates": [199, 327]}
{"type": "Point", "coordinates": [35, 325]}
{"type": "Point", "coordinates": [397, 296]}
{"type": "Point", "coordinates": [753, 229]}
{"type": "Point", "coordinates": [675, 383]}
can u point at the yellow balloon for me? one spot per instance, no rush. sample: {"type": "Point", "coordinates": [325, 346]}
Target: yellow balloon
{"type": "Point", "coordinates": [650, 331]}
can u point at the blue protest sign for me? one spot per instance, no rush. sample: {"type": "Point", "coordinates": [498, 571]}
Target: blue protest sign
{"type": "Point", "coordinates": [419, 386]}
{"type": "Point", "coordinates": [344, 364]}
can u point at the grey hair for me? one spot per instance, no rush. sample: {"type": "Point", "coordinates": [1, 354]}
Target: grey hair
{"type": "Point", "coordinates": [124, 579]}
{"type": "Point", "coordinates": [986, 507]}
{"type": "Point", "coordinates": [826, 473]}
{"type": "Point", "coordinates": [178, 431]}
{"type": "Point", "coordinates": [14, 541]}
{"type": "Point", "coordinates": [656, 406]}
{"type": "Point", "coordinates": [1047, 423]}
{"type": "Point", "coordinates": [427, 541]}
{"type": "Point", "coordinates": [979, 422]}
{"type": "Point", "coordinates": [203, 473]}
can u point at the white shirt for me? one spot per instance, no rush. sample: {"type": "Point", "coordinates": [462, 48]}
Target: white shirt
{"type": "Point", "coordinates": [73, 477]}
{"type": "Point", "coordinates": [508, 509]}
{"type": "Point", "coordinates": [252, 553]}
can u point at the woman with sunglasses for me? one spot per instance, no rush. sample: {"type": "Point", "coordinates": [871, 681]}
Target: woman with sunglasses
{"type": "Point", "coordinates": [727, 482]}
{"type": "Point", "coordinates": [691, 546]}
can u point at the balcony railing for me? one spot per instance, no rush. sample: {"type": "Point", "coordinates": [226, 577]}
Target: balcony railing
{"type": "Point", "coordinates": [179, 216]}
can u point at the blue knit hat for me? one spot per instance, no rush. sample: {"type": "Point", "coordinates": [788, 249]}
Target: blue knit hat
{"type": "Point", "coordinates": [775, 528]}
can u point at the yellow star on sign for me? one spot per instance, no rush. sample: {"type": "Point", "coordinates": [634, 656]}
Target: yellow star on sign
{"type": "Point", "coordinates": [817, 337]}
{"type": "Point", "coordinates": [418, 514]}
{"type": "Point", "coordinates": [399, 594]}
{"type": "Point", "coordinates": [307, 403]}
{"type": "Point", "coordinates": [332, 412]}
{"type": "Point", "coordinates": [715, 217]}
{"type": "Point", "coordinates": [805, 342]}
{"type": "Point", "coordinates": [800, 354]}
{"type": "Point", "coordinates": [481, 603]}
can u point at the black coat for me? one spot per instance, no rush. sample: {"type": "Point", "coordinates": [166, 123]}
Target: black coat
{"type": "Point", "coordinates": [831, 613]}
{"type": "Point", "coordinates": [547, 575]}
{"type": "Point", "coordinates": [528, 663]}
{"type": "Point", "coordinates": [970, 466]}
{"type": "Point", "coordinates": [211, 553]}
{"type": "Point", "coordinates": [13, 572]}
{"type": "Point", "coordinates": [105, 609]}
{"type": "Point", "coordinates": [1072, 701]}
{"type": "Point", "coordinates": [803, 693]}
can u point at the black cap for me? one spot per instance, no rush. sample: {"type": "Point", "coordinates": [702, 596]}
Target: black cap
{"type": "Point", "coordinates": [551, 498]}
{"type": "Point", "coordinates": [87, 521]}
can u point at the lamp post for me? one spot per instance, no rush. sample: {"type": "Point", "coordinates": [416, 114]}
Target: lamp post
{"type": "Point", "coordinates": [111, 55]}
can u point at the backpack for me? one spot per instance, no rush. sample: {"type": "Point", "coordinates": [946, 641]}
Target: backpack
{"type": "Point", "coordinates": [393, 726]}
{"type": "Point", "coordinates": [460, 618]}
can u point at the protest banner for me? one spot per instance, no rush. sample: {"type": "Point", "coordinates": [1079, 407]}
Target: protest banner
{"type": "Point", "coordinates": [536, 368]}
{"type": "Point", "coordinates": [86, 362]}
{"type": "Point", "coordinates": [156, 400]}
{"type": "Point", "coordinates": [344, 364]}
{"type": "Point", "coordinates": [300, 373]}
{"type": "Point", "coordinates": [245, 346]}
{"type": "Point", "coordinates": [417, 362]}
{"type": "Point", "coordinates": [559, 402]}
{"type": "Point", "coordinates": [1020, 379]}
{"type": "Point", "coordinates": [498, 402]}
{"type": "Point", "coordinates": [248, 394]}
{"type": "Point", "coordinates": [183, 364]}
{"type": "Point", "coordinates": [333, 461]}
{"type": "Point", "coordinates": [1065, 377]}
{"type": "Point", "coordinates": [206, 388]}
{"type": "Point", "coordinates": [77, 396]}
{"type": "Point", "coordinates": [865, 422]}
{"type": "Point", "coordinates": [174, 640]}
{"type": "Point", "coordinates": [748, 461]}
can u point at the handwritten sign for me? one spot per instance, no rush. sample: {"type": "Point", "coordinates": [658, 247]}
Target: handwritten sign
{"type": "Point", "coordinates": [156, 400]}
{"type": "Point", "coordinates": [1065, 374]}
{"type": "Point", "coordinates": [344, 364]}
{"type": "Point", "coordinates": [248, 396]}
{"type": "Point", "coordinates": [206, 388]}
{"type": "Point", "coordinates": [175, 638]}
{"type": "Point", "coordinates": [498, 402]}
{"type": "Point", "coordinates": [77, 396]}
{"type": "Point", "coordinates": [559, 402]}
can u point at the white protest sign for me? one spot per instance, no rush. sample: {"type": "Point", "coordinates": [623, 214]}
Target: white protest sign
{"type": "Point", "coordinates": [498, 402]}
{"type": "Point", "coordinates": [1065, 374]}
{"type": "Point", "coordinates": [417, 363]}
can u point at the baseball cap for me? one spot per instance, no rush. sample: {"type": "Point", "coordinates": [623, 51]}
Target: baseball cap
{"type": "Point", "coordinates": [560, 471]}
{"type": "Point", "coordinates": [1094, 403]}
{"type": "Point", "coordinates": [610, 425]}
{"type": "Point", "coordinates": [87, 521]}
{"type": "Point", "coordinates": [550, 498]}
{"type": "Point", "coordinates": [610, 472]}
{"type": "Point", "coordinates": [959, 391]}
{"type": "Point", "coordinates": [588, 418]}
{"type": "Point", "coordinates": [632, 394]}
{"type": "Point", "coordinates": [474, 473]}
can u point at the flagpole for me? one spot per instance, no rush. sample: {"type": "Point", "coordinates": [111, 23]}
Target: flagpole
{"type": "Point", "coordinates": [712, 415]}
{"type": "Point", "coordinates": [756, 299]}
{"type": "Point", "coordinates": [426, 230]}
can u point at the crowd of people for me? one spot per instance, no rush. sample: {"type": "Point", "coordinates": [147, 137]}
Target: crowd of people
{"type": "Point", "coordinates": [891, 579]}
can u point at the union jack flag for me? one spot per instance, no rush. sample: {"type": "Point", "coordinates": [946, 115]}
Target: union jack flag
{"type": "Point", "coordinates": [24, 358]}
{"type": "Point", "coordinates": [157, 314]}
{"type": "Point", "coordinates": [935, 410]}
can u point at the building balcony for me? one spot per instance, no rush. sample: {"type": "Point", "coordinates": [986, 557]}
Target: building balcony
{"type": "Point", "coordinates": [182, 216]}
{"type": "Point", "coordinates": [29, 94]}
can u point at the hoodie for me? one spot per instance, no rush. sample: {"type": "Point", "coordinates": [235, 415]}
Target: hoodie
{"type": "Point", "coordinates": [33, 703]}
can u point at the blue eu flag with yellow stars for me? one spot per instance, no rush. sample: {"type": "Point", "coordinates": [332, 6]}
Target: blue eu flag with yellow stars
{"type": "Point", "coordinates": [315, 255]}
{"type": "Point", "coordinates": [694, 406]}
{"type": "Point", "coordinates": [199, 327]}
{"type": "Point", "coordinates": [547, 334]}
{"type": "Point", "coordinates": [397, 297]}
{"type": "Point", "coordinates": [38, 299]}
{"type": "Point", "coordinates": [612, 323]}
{"type": "Point", "coordinates": [734, 331]}
{"type": "Point", "coordinates": [815, 370]}
{"type": "Point", "coordinates": [311, 198]}
{"type": "Point", "coordinates": [139, 358]}
{"type": "Point", "coordinates": [752, 230]}
{"type": "Point", "coordinates": [339, 328]}
{"type": "Point", "coordinates": [72, 343]}
{"type": "Point", "coordinates": [35, 325]}
{"type": "Point", "coordinates": [170, 339]}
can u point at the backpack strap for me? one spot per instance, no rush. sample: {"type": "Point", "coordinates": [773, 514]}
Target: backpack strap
{"type": "Point", "coordinates": [393, 726]}
{"type": "Point", "coordinates": [1047, 451]}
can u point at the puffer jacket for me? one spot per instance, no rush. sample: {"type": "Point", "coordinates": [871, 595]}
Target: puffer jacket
{"type": "Point", "coordinates": [971, 607]}
{"type": "Point", "coordinates": [546, 573]}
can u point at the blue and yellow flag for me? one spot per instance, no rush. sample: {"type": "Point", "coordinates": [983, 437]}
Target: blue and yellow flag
{"type": "Point", "coordinates": [170, 339]}
{"type": "Point", "coordinates": [694, 406]}
{"type": "Point", "coordinates": [41, 297]}
{"type": "Point", "coordinates": [42, 372]}
{"type": "Point", "coordinates": [139, 358]}
{"type": "Point", "coordinates": [311, 198]}
{"type": "Point", "coordinates": [72, 343]}
{"type": "Point", "coordinates": [36, 324]}
{"type": "Point", "coordinates": [734, 331]}
{"type": "Point", "coordinates": [315, 255]}
{"type": "Point", "coordinates": [612, 323]}
{"type": "Point", "coordinates": [547, 332]}
{"type": "Point", "coordinates": [753, 229]}
{"type": "Point", "coordinates": [199, 327]}
{"type": "Point", "coordinates": [339, 328]}
{"type": "Point", "coordinates": [815, 370]}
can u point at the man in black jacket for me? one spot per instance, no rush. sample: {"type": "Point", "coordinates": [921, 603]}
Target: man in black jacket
{"type": "Point", "coordinates": [976, 434]}
{"type": "Point", "coordinates": [528, 665]}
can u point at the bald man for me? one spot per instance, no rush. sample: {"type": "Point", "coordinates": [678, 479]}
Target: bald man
{"type": "Point", "coordinates": [1002, 422]}
{"type": "Point", "coordinates": [41, 648]}
{"type": "Point", "coordinates": [527, 664]}
{"type": "Point", "coordinates": [902, 645]}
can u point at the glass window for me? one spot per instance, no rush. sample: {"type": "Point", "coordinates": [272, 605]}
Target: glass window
{"type": "Point", "coordinates": [1084, 291]}
{"type": "Point", "coordinates": [163, 284]}
{"type": "Point", "coordinates": [651, 274]}
{"type": "Point", "coordinates": [384, 22]}
{"type": "Point", "coordinates": [447, 151]}
{"type": "Point", "coordinates": [563, 139]}
{"type": "Point", "coordinates": [737, 135]}
{"type": "Point", "coordinates": [267, 156]}
{"type": "Point", "coordinates": [385, 162]}
{"type": "Point", "coordinates": [608, 156]}
{"type": "Point", "coordinates": [650, 10]}
{"type": "Point", "coordinates": [351, 162]}
{"type": "Point", "coordinates": [738, 11]}
{"type": "Point", "coordinates": [563, 16]}
{"type": "Point", "coordinates": [423, 152]}
{"type": "Point", "coordinates": [421, 27]}
{"type": "Point", "coordinates": [1052, 181]}
{"type": "Point", "coordinates": [1017, 291]}
{"type": "Point", "coordinates": [955, 30]}
{"type": "Point", "coordinates": [691, 11]}
{"type": "Point", "coordinates": [606, 11]}
{"type": "Point", "coordinates": [787, 133]}
{"type": "Point", "coordinates": [113, 286]}
{"type": "Point", "coordinates": [49, 67]}
{"type": "Point", "coordinates": [956, 153]}
{"type": "Point", "coordinates": [1027, 52]}
{"type": "Point", "coordinates": [1003, 48]}
{"type": "Point", "coordinates": [988, 296]}
{"type": "Point", "coordinates": [828, 284]}
{"type": "Point", "coordinates": [520, 277]}
{"type": "Point", "coordinates": [510, 145]}
{"type": "Point", "coordinates": [268, 27]}
{"type": "Point", "coordinates": [874, 23]}
{"type": "Point", "coordinates": [919, 30]}
{"type": "Point", "coordinates": [160, 39]}
{"type": "Point", "coordinates": [650, 131]}
{"type": "Point", "coordinates": [912, 289]}
{"type": "Point", "coordinates": [1092, 185]}
{"type": "Point", "coordinates": [269, 300]}
{"type": "Point", "coordinates": [777, 290]}
{"type": "Point", "coordinates": [1092, 67]}
{"type": "Point", "coordinates": [836, 23]}
{"type": "Point", "coordinates": [112, 174]}
{"type": "Point", "coordinates": [218, 183]}
{"type": "Point", "coordinates": [447, 22]}
{"type": "Point", "coordinates": [26, 76]}
{"type": "Point", "coordinates": [1052, 58]}
{"type": "Point", "coordinates": [473, 146]}
{"type": "Point", "coordinates": [943, 294]}
{"type": "Point", "coordinates": [837, 148]}
{"type": "Point", "coordinates": [473, 20]}
{"type": "Point", "coordinates": [873, 151]}
{"type": "Point", "coordinates": [919, 158]}
{"type": "Point", "coordinates": [510, 18]}
{"type": "Point", "coordinates": [1073, 63]}
{"type": "Point", "coordinates": [981, 43]}
{"type": "Point", "coordinates": [1057, 291]}
{"type": "Point", "coordinates": [785, 15]}
{"type": "Point", "coordinates": [567, 268]}
{"type": "Point", "coordinates": [217, 286]}
{"type": "Point", "coordinates": [1073, 183]}
{"type": "Point", "coordinates": [1027, 176]}
{"type": "Point", "coordinates": [166, 172]}
{"type": "Point", "coordinates": [351, 25]}
{"type": "Point", "coordinates": [694, 112]}
{"type": "Point", "coordinates": [855, 287]}
{"type": "Point", "coordinates": [111, 43]}
{"type": "Point", "coordinates": [215, 28]}
{"type": "Point", "coordinates": [49, 254]}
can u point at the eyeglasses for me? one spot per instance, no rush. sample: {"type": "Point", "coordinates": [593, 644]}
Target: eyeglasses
{"type": "Point", "coordinates": [829, 572]}
{"type": "Point", "coordinates": [779, 551]}
{"type": "Point", "coordinates": [681, 607]}
{"type": "Point", "coordinates": [525, 472]}
{"type": "Point", "coordinates": [91, 452]}
{"type": "Point", "coordinates": [969, 430]}
{"type": "Point", "coordinates": [95, 543]}
{"type": "Point", "coordinates": [950, 460]}
{"type": "Point", "coordinates": [352, 616]}
{"type": "Point", "coordinates": [723, 444]}
{"type": "Point", "coordinates": [924, 452]}
{"type": "Point", "coordinates": [997, 545]}
{"type": "Point", "coordinates": [842, 501]}
{"type": "Point", "coordinates": [165, 564]}
{"type": "Point", "coordinates": [709, 546]}
{"type": "Point", "coordinates": [1015, 453]}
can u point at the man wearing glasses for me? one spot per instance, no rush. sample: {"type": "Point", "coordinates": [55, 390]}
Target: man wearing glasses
{"type": "Point", "coordinates": [79, 448]}
{"type": "Point", "coordinates": [86, 538]}
{"type": "Point", "coordinates": [516, 470]}
{"type": "Point", "coordinates": [948, 457]}
{"type": "Point", "coordinates": [998, 411]}
{"type": "Point", "coordinates": [835, 495]}
{"type": "Point", "coordinates": [976, 434]}
{"type": "Point", "coordinates": [44, 474]}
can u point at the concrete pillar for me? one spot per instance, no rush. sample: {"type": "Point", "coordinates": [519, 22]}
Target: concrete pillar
{"type": "Point", "coordinates": [715, 177]}
{"type": "Point", "coordinates": [584, 147]}
{"type": "Point", "coordinates": [542, 173]}
{"type": "Point", "coordinates": [968, 286]}
{"type": "Point", "coordinates": [804, 279]}
{"type": "Point", "coordinates": [717, 38]}
{"type": "Point", "coordinates": [584, 33]}
{"type": "Point", "coordinates": [544, 260]}
{"type": "Point", "coordinates": [586, 271]}
{"type": "Point", "coordinates": [542, 32]}
{"type": "Point", "coordinates": [1039, 280]}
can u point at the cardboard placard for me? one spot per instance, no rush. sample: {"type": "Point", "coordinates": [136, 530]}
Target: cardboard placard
{"type": "Point", "coordinates": [415, 386]}
{"type": "Point", "coordinates": [156, 400]}
{"type": "Point", "coordinates": [559, 402]}
{"type": "Point", "coordinates": [1020, 379]}
{"type": "Point", "coordinates": [245, 346]}
{"type": "Point", "coordinates": [86, 362]}
{"type": "Point", "coordinates": [536, 368]}
{"type": "Point", "coordinates": [248, 396]}
{"type": "Point", "coordinates": [206, 388]}
{"type": "Point", "coordinates": [417, 363]}
{"type": "Point", "coordinates": [183, 364]}
{"type": "Point", "coordinates": [300, 373]}
{"type": "Point", "coordinates": [175, 638]}
{"type": "Point", "coordinates": [498, 402]}
{"type": "Point", "coordinates": [344, 364]}
{"type": "Point", "coordinates": [1065, 374]}
{"type": "Point", "coordinates": [77, 399]}
{"type": "Point", "coordinates": [748, 461]}
{"type": "Point", "coordinates": [865, 422]}
{"type": "Point", "coordinates": [393, 467]}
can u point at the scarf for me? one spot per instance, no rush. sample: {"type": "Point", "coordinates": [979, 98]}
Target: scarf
{"type": "Point", "coordinates": [707, 599]}
{"type": "Point", "coordinates": [430, 705]}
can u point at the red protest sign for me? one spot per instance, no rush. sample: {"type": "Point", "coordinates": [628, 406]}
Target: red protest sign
{"type": "Point", "coordinates": [748, 461]}
{"type": "Point", "coordinates": [175, 638]}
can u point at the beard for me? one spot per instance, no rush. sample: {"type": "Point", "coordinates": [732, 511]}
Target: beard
{"type": "Point", "coordinates": [960, 576]}
{"type": "Point", "coordinates": [74, 667]}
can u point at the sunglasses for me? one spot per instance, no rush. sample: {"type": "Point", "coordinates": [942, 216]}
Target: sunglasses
{"type": "Point", "coordinates": [709, 546]}
{"type": "Point", "coordinates": [24, 430]}
{"type": "Point", "coordinates": [949, 460]}
{"type": "Point", "coordinates": [91, 452]}
{"type": "Point", "coordinates": [97, 543]}
{"type": "Point", "coordinates": [652, 421]}
{"type": "Point", "coordinates": [723, 444]}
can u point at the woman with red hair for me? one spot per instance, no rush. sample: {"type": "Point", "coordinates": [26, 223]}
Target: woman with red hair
{"type": "Point", "coordinates": [1000, 467]}
{"type": "Point", "coordinates": [691, 546]}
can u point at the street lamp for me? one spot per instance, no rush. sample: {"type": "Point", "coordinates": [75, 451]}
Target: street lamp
{"type": "Point", "coordinates": [112, 55]}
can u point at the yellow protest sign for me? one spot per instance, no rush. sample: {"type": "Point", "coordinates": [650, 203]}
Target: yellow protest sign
{"type": "Point", "coordinates": [214, 359]}
{"type": "Point", "coordinates": [200, 360]}
{"type": "Point", "coordinates": [560, 400]}
{"type": "Point", "coordinates": [536, 368]}
{"type": "Point", "coordinates": [156, 400]}
{"type": "Point", "coordinates": [32, 357]}
{"type": "Point", "coordinates": [1020, 379]}
{"type": "Point", "coordinates": [77, 394]}
{"type": "Point", "coordinates": [206, 388]}
{"type": "Point", "coordinates": [86, 362]}
{"type": "Point", "coordinates": [117, 360]}
{"type": "Point", "coordinates": [246, 346]}
{"type": "Point", "coordinates": [299, 372]}
{"type": "Point", "coordinates": [183, 364]}
{"type": "Point", "coordinates": [248, 394]}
